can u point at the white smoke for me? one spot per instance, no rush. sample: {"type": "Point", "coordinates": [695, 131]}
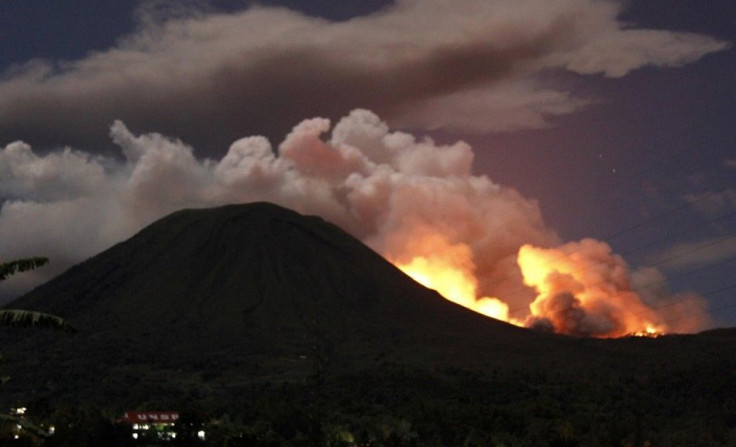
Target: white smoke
{"type": "Point", "coordinates": [586, 290]}
{"type": "Point", "coordinates": [379, 185]}
{"type": "Point", "coordinates": [387, 188]}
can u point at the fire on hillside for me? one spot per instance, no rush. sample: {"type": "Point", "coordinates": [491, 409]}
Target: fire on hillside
{"type": "Point", "coordinates": [581, 289]}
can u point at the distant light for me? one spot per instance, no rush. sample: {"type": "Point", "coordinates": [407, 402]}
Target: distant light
{"type": "Point", "coordinates": [200, 435]}
{"type": "Point", "coordinates": [135, 435]}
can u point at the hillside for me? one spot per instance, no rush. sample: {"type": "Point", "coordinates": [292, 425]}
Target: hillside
{"type": "Point", "coordinates": [253, 310]}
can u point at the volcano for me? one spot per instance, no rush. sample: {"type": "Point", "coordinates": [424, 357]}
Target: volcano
{"type": "Point", "coordinates": [241, 285]}
{"type": "Point", "coordinates": [244, 307]}
{"type": "Point", "coordinates": [251, 278]}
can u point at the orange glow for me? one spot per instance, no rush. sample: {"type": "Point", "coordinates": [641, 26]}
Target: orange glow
{"type": "Point", "coordinates": [650, 332]}
{"type": "Point", "coordinates": [448, 269]}
{"type": "Point", "coordinates": [454, 284]}
{"type": "Point", "coordinates": [582, 289]}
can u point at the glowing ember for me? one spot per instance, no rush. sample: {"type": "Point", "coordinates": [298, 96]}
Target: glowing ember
{"type": "Point", "coordinates": [649, 332]}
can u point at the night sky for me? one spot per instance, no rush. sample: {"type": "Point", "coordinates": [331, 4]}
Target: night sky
{"type": "Point", "coordinates": [616, 118]}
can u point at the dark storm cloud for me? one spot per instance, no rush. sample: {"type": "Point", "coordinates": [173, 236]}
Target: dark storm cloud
{"type": "Point", "coordinates": [211, 78]}
{"type": "Point", "coordinates": [262, 94]}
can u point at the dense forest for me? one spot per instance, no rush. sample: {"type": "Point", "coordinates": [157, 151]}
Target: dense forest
{"type": "Point", "coordinates": [397, 405]}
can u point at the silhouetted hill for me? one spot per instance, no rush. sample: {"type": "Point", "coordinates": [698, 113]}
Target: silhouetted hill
{"type": "Point", "coordinates": [252, 279]}
{"type": "Point", "coordinates": [255, 284]}
{"type": "Point", "coordinates": [243, 307]}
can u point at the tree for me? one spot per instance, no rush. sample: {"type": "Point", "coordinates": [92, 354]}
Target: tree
{"type": "Point", "coordinates": [19, 317]}
{"type": "Point", "coordinates": [8, 269]}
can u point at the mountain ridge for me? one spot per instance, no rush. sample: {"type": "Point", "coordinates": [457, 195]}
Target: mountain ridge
{"type": "Point", "coordinates": [264, 316]}
{"type": "Point", "coordinates": [255, 279]}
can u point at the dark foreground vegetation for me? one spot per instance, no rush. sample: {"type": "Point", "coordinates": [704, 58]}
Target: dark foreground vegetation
{"type": "Point", "coordinates": [394, 404]}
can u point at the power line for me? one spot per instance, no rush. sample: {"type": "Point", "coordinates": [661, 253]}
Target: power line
{"type": "Point", "coordinates": [680, 233]}
{"type": "Point", "coordinates": [639, 289]}
{"type": "Point", "coordinates": [695, 249]}
{"type": "Point", "coordinates": [707, 311]}
{"type": "Point", "coordinates": [567, 255]}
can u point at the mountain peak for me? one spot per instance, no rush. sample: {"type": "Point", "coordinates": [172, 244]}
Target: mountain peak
{"type": "Point", "coordinates": [253, 278]}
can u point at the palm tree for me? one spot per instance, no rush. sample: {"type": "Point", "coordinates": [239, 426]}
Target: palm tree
{"type": "Point", "coordinates": [8, 269]}
{"type": "Point", "coordinates": [19, 317]}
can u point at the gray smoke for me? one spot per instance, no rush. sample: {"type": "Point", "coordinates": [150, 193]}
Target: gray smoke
{"type": "Point", "coordinates": [211, 78]}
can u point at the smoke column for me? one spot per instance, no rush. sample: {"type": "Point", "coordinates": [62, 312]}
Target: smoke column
{"type": "Point", "coordinates": [410, 199]}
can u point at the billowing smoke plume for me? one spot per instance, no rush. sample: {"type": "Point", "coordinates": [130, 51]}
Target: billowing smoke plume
{"type": "Point", "coordinates": [585, 290]}
{"type": "Point", "coordinates": [412, 200]}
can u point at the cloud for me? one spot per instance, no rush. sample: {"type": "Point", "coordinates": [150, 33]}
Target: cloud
{"type": "Point", "coordinates": [211, 77]}
{"type": "Point", "coordinates": [625, 50]}
{"type": "Point", "coordinates": [405, 197]}
{"type": "Point", "coordinates": [58, 176]}
{"type": "Point", "coordinates": [715, 205]}
{"type": "Point", "coordinates": [379, 185]}
{"type": "Point", "coordinates": [583, 289]}
{"type": "Point", "coordinates": [696, 254]}
{"type": "Point", "coordinates": [506, 106]}
{"type": "Point", "coordinates": [684, 312]}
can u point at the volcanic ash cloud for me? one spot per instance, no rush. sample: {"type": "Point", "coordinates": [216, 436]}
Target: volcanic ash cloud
{"type": "Point", "coordinates": [412, 200]}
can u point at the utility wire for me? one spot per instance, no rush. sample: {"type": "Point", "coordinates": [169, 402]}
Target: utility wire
{"type": "Point", "coordinates": [707, 311]}
{"type": "Point", "coordinates": [638, 289]}
{"type": "Point", "coordinates": [661, 261]}
{"type": "Point", "coordinates": [567, 255]}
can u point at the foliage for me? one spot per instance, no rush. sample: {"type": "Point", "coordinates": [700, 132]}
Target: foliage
{"type": "Point", "coordinates": [8, 269]}
{"type": "Point", "coordinates": [19, 317]}
{"type": "Point", "coordinates": [401, 406]}
{"type": "Point", "coordinates": [86, 427]}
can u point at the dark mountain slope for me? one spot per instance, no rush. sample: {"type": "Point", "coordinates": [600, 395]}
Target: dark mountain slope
{"type": "Point", "coordinates": [268, 316]}
{"type": "Point", "coordinates": [255, 275]}
{"type": "Point", "coordinates": [255, 284]}
{"type": "Point", "coordinates": [258, 279]}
